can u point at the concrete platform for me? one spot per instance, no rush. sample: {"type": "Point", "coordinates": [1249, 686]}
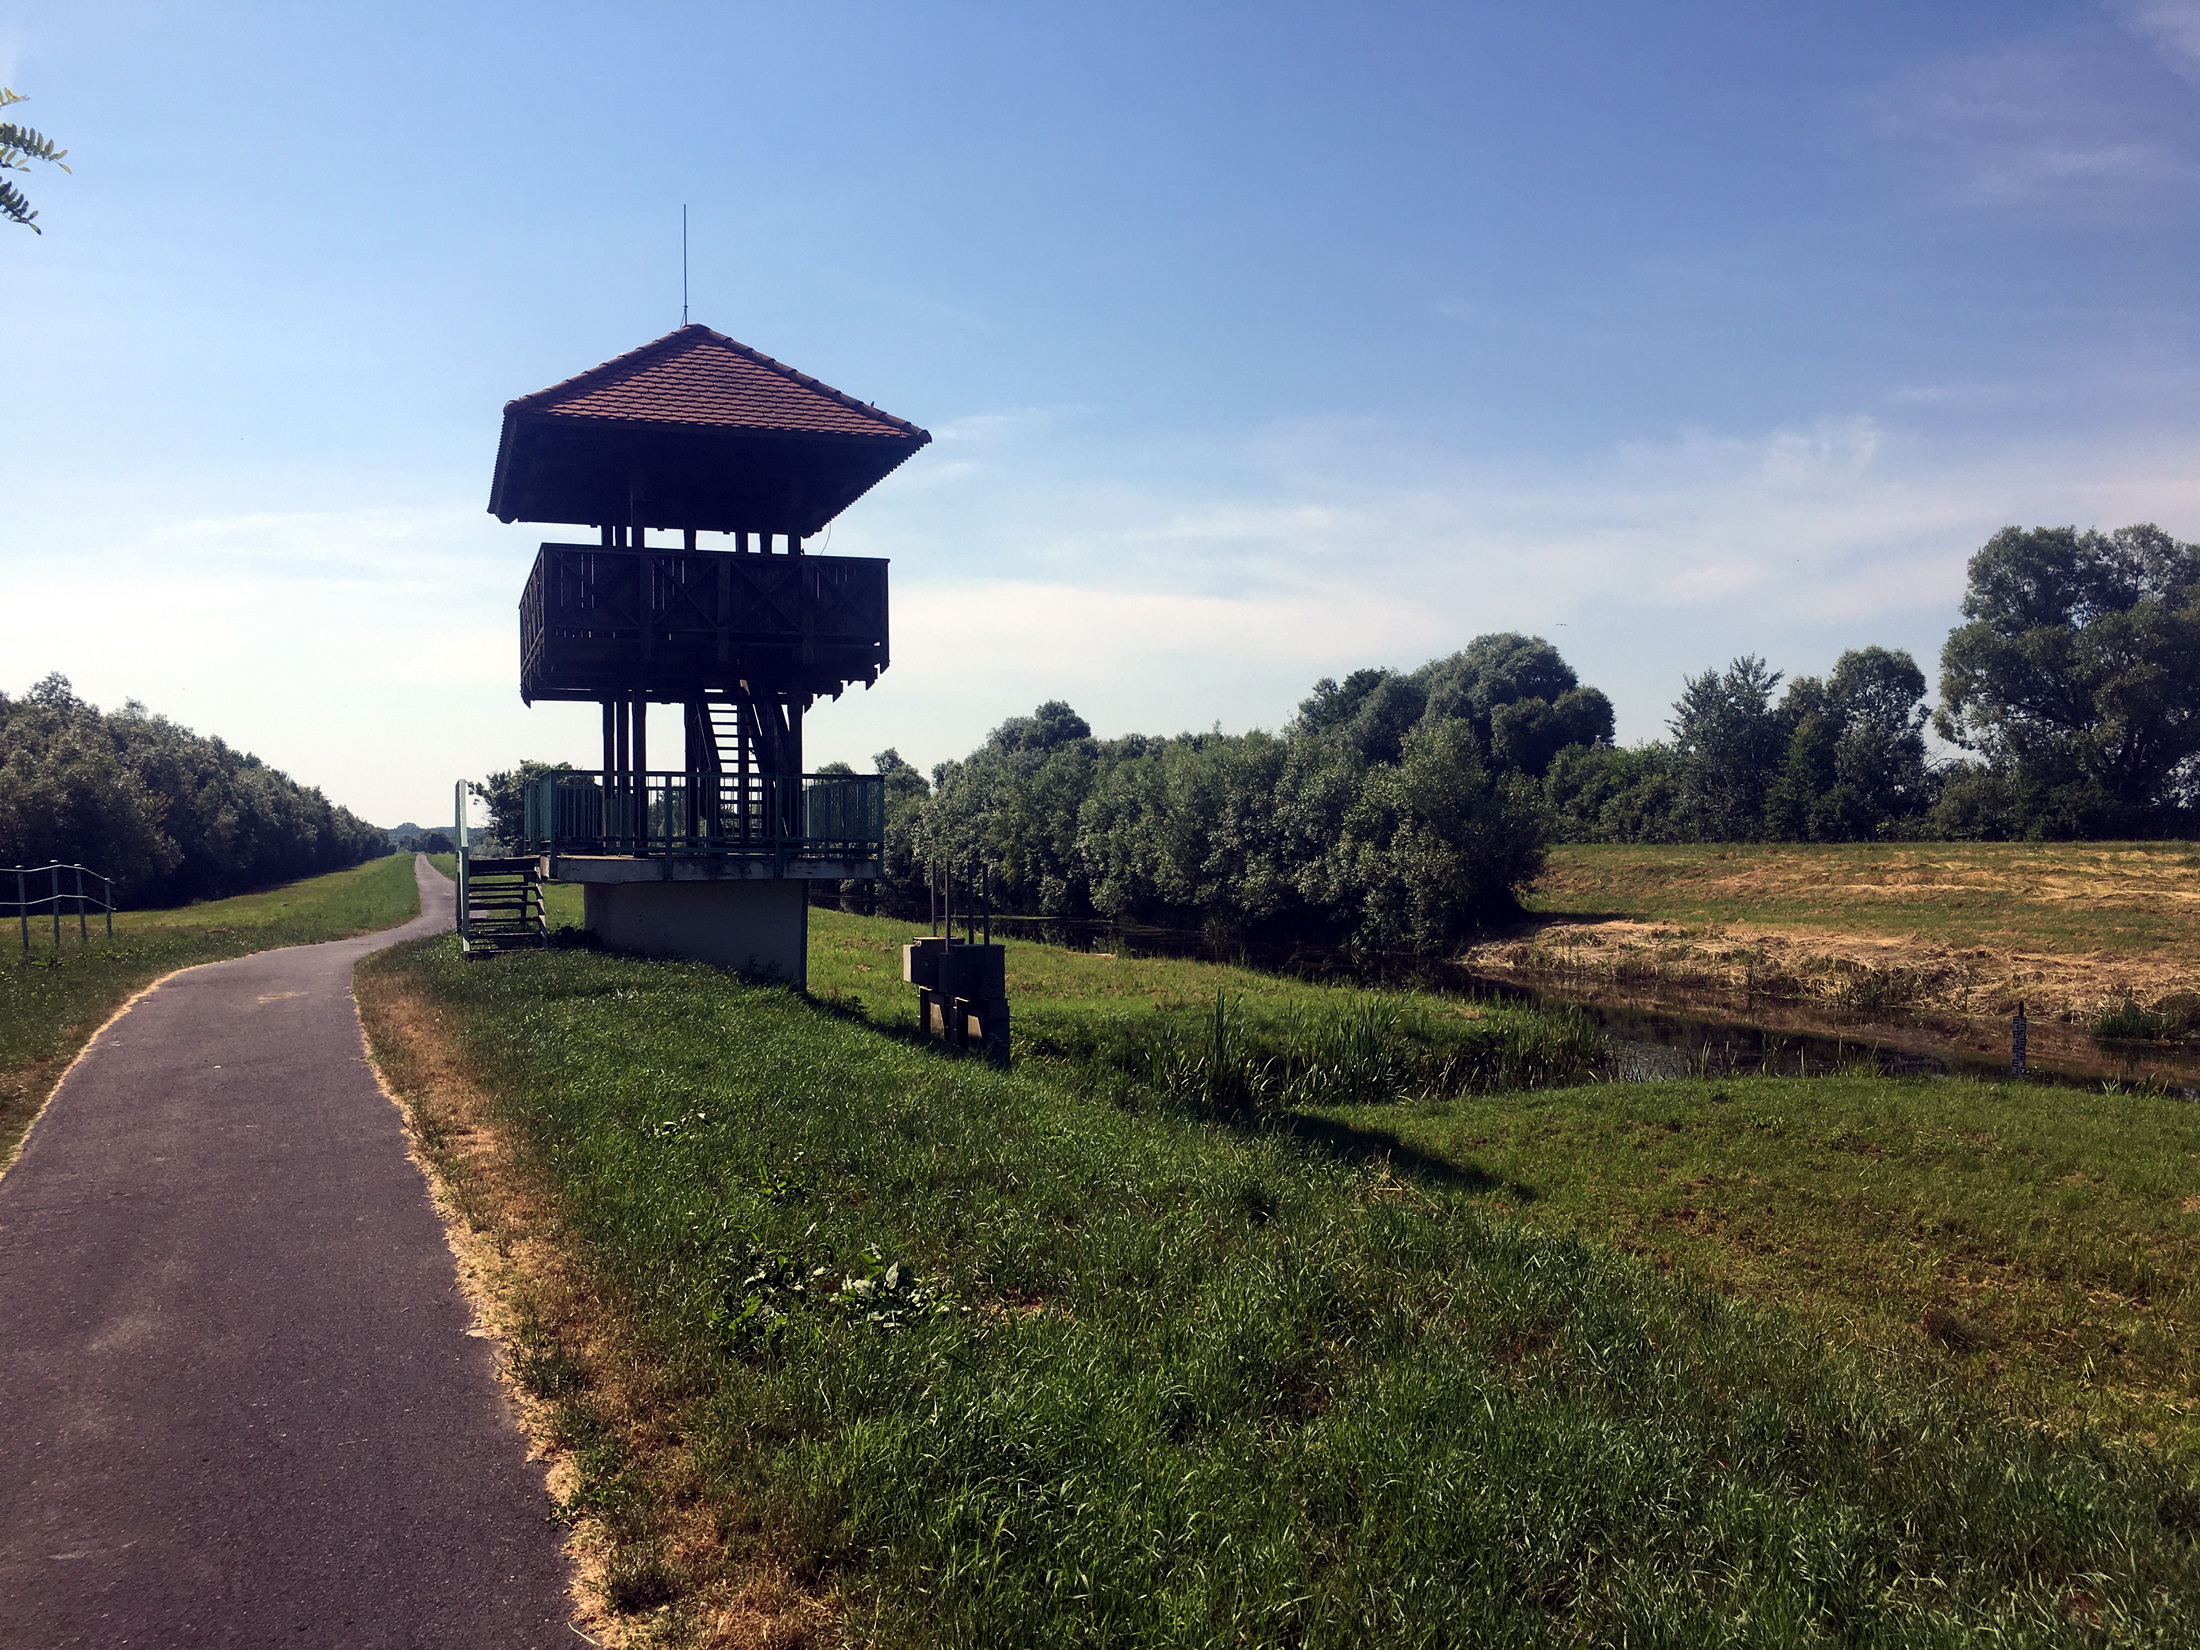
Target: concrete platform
{"type": "Point", "coordinates": [757, 925]}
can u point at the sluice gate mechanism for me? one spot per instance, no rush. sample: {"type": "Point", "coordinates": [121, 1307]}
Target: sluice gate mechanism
{"type": "Point", "coordinates": [962, 984]}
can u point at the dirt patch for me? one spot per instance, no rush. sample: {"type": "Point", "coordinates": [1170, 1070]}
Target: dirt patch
{"type": "Point", "coordinates": [659, 1560]}
{"type": "Point", "coordinates": [1838, 969]}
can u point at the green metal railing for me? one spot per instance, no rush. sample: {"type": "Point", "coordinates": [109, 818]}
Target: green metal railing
{"type": "Point", "coordinates": [72, 888]}
{"type": "Point", "coordinates": [764, 817]}
{"type": "Point", "coordinates": [461, 847]}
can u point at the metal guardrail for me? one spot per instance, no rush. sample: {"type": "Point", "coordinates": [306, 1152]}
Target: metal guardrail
{"type": "Point", "coordinates": [761, 817]}
{"type": "Point", "coordinates": [67, 886]}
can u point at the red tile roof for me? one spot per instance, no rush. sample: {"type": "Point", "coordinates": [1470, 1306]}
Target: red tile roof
{"type": "Point", "coordinates": [697, 376]}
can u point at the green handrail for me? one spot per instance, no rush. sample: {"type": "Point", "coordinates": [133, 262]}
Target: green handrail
{"type": "Point", "coordinates": [84, 899]}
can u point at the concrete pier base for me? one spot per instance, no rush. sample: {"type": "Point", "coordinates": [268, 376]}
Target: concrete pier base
{"type": "Point", "coordinates": [759, 926]}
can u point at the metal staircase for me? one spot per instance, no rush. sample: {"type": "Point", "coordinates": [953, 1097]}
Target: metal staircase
{"type": "Point", "coordinates": [499, 900]}
{"type": "Point", "coordinates": [500, 906]}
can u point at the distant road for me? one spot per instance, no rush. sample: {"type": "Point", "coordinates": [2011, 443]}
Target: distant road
{"type": "Point", "coordinates": [238, 1402]}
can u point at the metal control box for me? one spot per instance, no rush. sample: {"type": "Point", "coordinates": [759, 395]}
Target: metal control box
{"type": "Point", "coordinates": [920, 962]}
{"type": "Point", "coordinates": [978, 972]}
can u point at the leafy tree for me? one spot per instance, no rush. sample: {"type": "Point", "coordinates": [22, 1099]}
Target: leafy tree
{"type": "Point", "coordinates": [1433, 845]}
{"type": "Point", "coordinates": [1523, 701]}
{"type": "Point", "coordinates": [19, 146]}
{"type": "Point", "coordinates": [1730, 738]}
{"type": "Point", "coordinates": [1855, 763]}
{"type": "Point", "coordinates": [1186, 833]}
{"type": "Point", "coordinates": [171, 816]}
{"type": "Point", "coordinates": [2077, 676]}
{"type": "Point", "coordinates": [901, 888]}
{"type": "Point", "coordinates": [1600, 793]}
{"type": "Point", "coordinates": [1013, 804]}
{"type": "Point", "coordinates": [505, 796]}
{"type": "Point", "coordinates": [1373, 819]}
{"type": "Point", "coordinates": [1370, 710]}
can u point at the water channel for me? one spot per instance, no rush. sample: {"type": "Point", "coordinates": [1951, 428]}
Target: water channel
{"type": "Point", "coordinates": [1677, 1032]}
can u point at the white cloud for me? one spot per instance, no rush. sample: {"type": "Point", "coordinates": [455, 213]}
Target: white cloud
{"type": "Point", "coordinates": [1160, 612]}
{"type": "Point", "coordinates": [2173, 28]}
{"type": "Point", "coordinates": [2028, 125]}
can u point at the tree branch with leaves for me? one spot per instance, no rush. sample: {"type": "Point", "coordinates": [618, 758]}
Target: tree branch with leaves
{"type": "Point", "coordinates": [19, 146]}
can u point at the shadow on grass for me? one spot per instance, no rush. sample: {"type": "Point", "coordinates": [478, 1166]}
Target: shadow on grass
{"type": "Point", "coordinates": [1359, 1145]}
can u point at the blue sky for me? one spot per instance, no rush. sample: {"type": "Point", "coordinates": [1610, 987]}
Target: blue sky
{"type": "Point", "coordinates": [1260, 342]}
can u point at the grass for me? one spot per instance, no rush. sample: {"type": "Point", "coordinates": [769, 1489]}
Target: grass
{"type": "Point", "coordinates": [2071, 929]}
{"type": "Point", "coordinates": [993, 1359]}
{"type": "Point", "coordinates": [2055, 897]}
{"type": "Point", "coordinates": [1150, 1022]}
{"type": "Point", "coordinates": [54, 997]}
{"type": "Point", "coordinates": [2039, 1244]}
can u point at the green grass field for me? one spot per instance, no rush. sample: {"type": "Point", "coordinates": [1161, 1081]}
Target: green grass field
{"type": "Point", "coordinates": [54, 997]}
{"type": "Point", "coordinates": [2040, 1245]}
{"type": "Point", "coordinates": [1032, 1359]}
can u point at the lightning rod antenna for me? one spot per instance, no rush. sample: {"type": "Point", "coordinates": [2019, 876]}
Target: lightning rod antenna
{"type": "Point", "coordinates": [683, 265]}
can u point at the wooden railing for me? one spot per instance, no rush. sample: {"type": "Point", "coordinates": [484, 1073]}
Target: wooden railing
{"type": "Point", "coordinates": [598, 622]}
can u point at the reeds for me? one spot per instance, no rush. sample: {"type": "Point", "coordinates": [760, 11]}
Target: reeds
{"type": "Point", "coordinates": [1368, 1050]}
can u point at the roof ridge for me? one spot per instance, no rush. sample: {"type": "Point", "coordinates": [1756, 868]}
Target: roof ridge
{"type": "Point", "coordinates": [695, 333]}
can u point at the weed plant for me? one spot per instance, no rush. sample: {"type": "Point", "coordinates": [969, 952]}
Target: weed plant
{"type": "Point", "coordinates": [1010, 1364]}
{"type": "Point", "coordinates": [2128, 1022]}
{"type": "Point", "coordinates": [53, 997]}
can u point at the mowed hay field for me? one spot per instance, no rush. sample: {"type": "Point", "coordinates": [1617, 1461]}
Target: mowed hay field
{"type": "Point", "coordinates": [2069, 928]}
{"type": "Point", "coordinates": [837, 1338]}
{"type": "Point", "coordinates": [53, 997]}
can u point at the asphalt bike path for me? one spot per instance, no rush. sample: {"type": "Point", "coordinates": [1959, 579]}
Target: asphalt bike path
{"type": "Point", "coordinates": [239, 1403]}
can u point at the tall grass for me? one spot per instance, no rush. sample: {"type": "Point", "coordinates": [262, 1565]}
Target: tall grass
{"type": "Point", "coordinates": [1366, 1051]}
{"type": "Point", "coordinates": [1006, 1364]}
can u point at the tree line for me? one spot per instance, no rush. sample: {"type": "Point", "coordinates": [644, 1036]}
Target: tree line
{"type": "Point", "coordinates": [170, 815]}
{"type": "Point", "coordinates": [2069, 706]}
{"type": "Point", "coordinates": [1401, 809]}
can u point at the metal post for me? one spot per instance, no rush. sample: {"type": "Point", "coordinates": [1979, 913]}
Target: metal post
{"type": "Point", "coordinates": [461, 847]}
{"type": "Point", "coordinates": [23, 904]}
{"type": "Point", "coordinates": [54, 901]}
{"type": "Point", "coordinates": [82, 933]}
{"type": "Point", "coordinates": [2016, 1044]}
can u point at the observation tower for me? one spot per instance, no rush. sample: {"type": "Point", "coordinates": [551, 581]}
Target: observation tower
{"type": "Point", "coordinates": [691, 437]}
